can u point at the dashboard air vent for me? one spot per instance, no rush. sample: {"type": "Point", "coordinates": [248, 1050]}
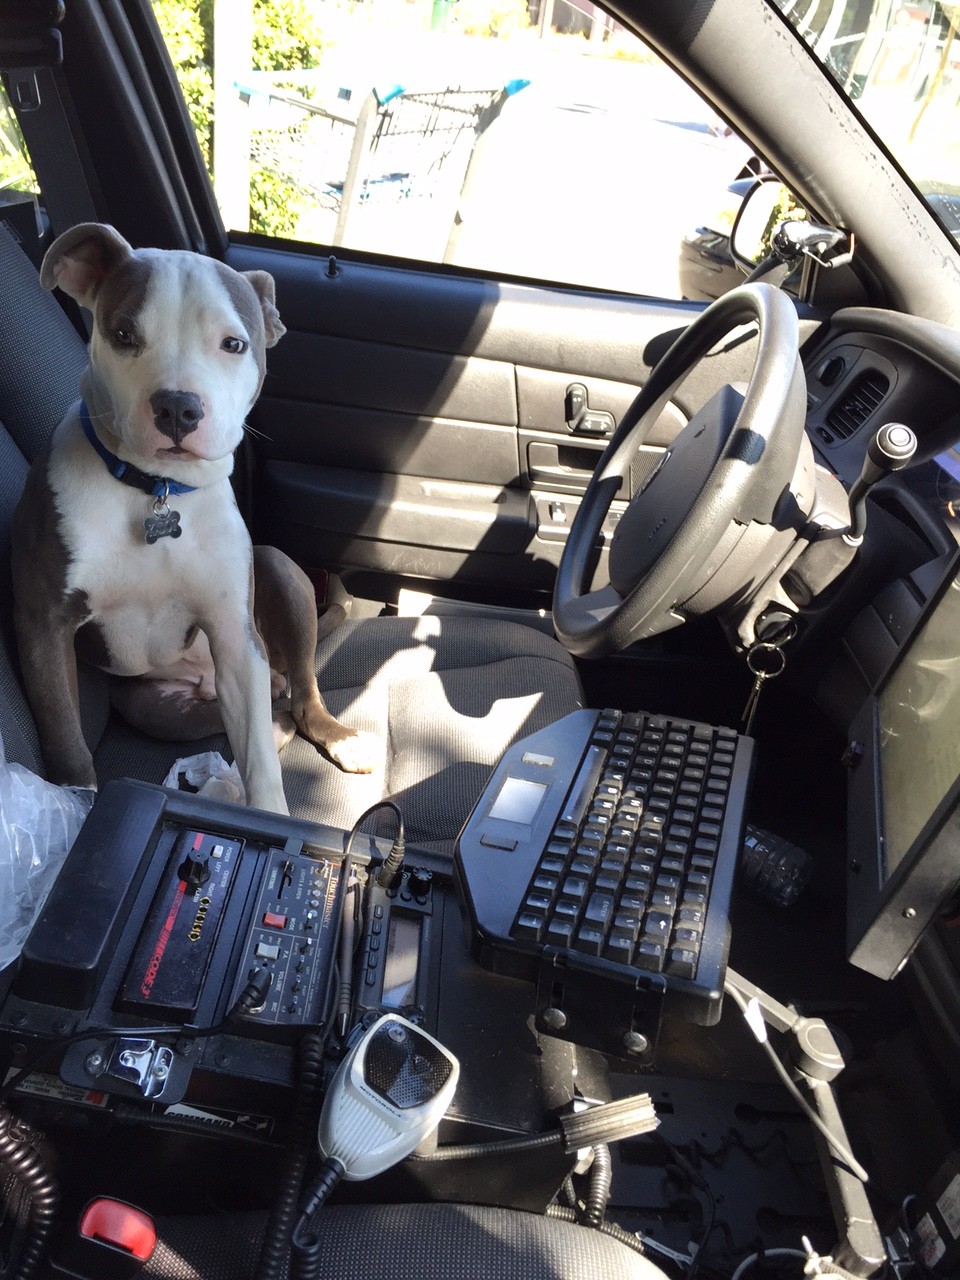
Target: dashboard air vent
{"type": "Point", "coordinates": [856, 405]}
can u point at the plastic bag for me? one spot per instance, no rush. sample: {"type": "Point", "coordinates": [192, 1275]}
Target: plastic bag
{"type": "Point", "coordinates": [208, 774]}
{"type": "Point", "coordinates": [39, 822]}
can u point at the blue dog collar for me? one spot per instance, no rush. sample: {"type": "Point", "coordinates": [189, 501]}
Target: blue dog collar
{"type": "Point", "coordinates": [157, 486]}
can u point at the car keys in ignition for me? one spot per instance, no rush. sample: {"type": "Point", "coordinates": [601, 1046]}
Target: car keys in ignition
{"type": "Point", "coordinates": [765, 660]}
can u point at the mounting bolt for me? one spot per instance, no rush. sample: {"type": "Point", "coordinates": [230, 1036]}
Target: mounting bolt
{"type": "Point", "coordinates": [553, 1019]}
{"type": "Point", "coordinates": [93, 1063]}
{"type": "Point", "coordinates": [635, 1044]}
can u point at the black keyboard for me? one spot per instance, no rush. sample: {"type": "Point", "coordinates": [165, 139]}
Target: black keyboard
{"type": "Point", "coordinates": [611, 840]}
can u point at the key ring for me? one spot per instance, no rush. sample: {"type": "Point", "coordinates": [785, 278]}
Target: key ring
{"type": "Point", "coordinates": [760, 659]}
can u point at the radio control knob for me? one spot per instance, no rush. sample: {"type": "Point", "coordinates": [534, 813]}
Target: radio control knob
{"type": "Point", "coordinates": [194, 869]}
{"type": "Point", "coordinates": [419, 881]}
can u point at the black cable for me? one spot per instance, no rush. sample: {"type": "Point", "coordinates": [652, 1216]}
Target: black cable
{"type": "Point", "coordinates": [565, 1214]}
{"type": "Point", "coordinates": [505, 1146]}
{"type": "Point", "coordinates": [20, 1158]}
{"type": "Point", "coordinates": [306, 1260]}
{"type": "Point", "coordinates": [347, 927]}
{"type": "Point", "coordinates": [275, 1249]}
{"type": "Point", "coordinates": [598, 1188]}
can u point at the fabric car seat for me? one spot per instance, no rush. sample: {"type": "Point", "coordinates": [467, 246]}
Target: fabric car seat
{"type": "Point", "coordinates": [406, 1242]}
{"type": "Point", "coordinates": [444, 695]}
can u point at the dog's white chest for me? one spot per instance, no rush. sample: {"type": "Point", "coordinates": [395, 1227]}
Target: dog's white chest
{"type": "Point", "coordinates": [148, 598]}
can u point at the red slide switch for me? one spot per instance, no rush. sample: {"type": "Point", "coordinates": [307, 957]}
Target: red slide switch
{"type": "Point", "coordinates": [274, 921]}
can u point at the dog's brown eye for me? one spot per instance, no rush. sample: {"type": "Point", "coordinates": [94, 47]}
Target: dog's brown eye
{"type": "Point", "coordinates": [124, 338]}
{"type": "Point", "coordinates": [236, 346]}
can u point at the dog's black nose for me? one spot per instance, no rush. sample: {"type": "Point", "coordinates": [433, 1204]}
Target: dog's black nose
{"type": "Point", "coordinates": [176, 413]}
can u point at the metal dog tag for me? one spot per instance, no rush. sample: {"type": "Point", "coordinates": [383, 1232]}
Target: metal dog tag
{"type": "Point", "coordinates": [162, 523]}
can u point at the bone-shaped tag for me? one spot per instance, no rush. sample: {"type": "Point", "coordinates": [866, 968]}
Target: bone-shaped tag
{"type": "Point", "coordinates": [163, 523]}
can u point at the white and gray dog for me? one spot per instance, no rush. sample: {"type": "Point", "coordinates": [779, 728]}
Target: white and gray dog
{"type": "Point", "coordinates": [128, 544]}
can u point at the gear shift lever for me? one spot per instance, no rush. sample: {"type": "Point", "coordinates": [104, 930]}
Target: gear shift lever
{"type": "Point", "coordinates": [891, 449]}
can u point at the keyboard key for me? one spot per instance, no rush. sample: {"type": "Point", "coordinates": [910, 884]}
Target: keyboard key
{"type": "Point", "coordinates": [537, 901]}
{"type": "Point", "coordinates": [649, 955]}
{"type": "Point", "coordinates": [614, 862]}
{"type": "Point", "coordinates": [608, 881]}
{"type": "Point", "coordinates": [663, 900]}
{"type": "Point", "coordinates": [566, 909]}
{"type": "Point", "coordinates": [581, 866]}
{"type": "Point", "coordinates": [640, 885]}
{"type": "Point", "coordinates": [691, 917]}
{"type": "Point", "coordinates": [681, 963]}
{"type": "Point", "coordinates": [558, 933]}
{"type": "Point", "coordinates": [695, 898]}
{"type": "Point", "coordinates": [588, 940]}
{"type": "Point", "coordinates": [618, 948]}
{"type": "Point", "coordinates": [687, 938]}
{"type": "Point", "coordinates": [626, 925]}
{"type": "Point", "coordinates": [670, 883]}
{"type": "Point", "coordinates": [575, 888]}
{"type": "Point", "coordinates": [552, 866]}
{"type": "Point", "coordinates": [657, 925]}
{"type": "Point", "coordinates": [528, 927]}
{"type": "Point", "coordinates": [599, 909]}
{"type": "Point", "coordinates": [545, 883]}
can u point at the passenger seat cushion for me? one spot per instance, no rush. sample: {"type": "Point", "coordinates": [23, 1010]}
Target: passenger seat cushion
{"type": "Point", "coordinates": [446, 696]}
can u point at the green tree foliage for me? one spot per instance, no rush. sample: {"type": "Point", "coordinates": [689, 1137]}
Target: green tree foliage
{"type": "Point", "coordinates": [16, 172]}
{"type": "Point", "coordinates": [190, 46]}
{"type": "Point", "coordinates": [286, 36]}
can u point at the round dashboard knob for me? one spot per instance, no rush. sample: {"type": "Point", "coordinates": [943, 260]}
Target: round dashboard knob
{"type": "Point", "coordinates": [419, 881]}
{"type": "Point", "coordinates": [194, 869]}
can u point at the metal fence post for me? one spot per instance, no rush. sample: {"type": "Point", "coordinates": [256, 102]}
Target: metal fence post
{"type": "Point", "coordinates": [357, 166]}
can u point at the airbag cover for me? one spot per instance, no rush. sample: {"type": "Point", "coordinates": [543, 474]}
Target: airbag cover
{"type": "Point", "coordinates": [660, 508]}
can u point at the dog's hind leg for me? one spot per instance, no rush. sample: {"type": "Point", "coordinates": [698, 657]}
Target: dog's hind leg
{"type": "Point", "coordinates": [286, 617]}
{"type": "Point", "coordinates": [165, 710]}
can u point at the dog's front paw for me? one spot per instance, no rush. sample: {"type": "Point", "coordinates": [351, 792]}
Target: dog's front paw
{"type": "Point", "coordinates": [356, 753]}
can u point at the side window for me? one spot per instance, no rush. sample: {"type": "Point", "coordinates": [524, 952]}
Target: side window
{"type": "Point", "coordinates": [19, 209]}
{"type": "Point", "coordinates": [527, 137]}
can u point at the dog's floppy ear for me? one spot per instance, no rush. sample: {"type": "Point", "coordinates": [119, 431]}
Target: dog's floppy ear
{"type": "Point", "coordinates": [265, 289]}
{"type": "Point", "coordinates": [80, 260]}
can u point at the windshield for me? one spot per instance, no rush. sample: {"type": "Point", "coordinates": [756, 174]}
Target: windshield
{"type": "Point", "coordinates": [900, 64]}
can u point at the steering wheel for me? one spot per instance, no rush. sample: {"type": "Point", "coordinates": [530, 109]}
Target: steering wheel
{"type": "Point", "coordinates": [682, 546]}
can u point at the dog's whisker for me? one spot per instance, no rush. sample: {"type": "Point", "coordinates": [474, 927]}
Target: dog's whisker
{"type": "Point", "coordinates": [254, 431]}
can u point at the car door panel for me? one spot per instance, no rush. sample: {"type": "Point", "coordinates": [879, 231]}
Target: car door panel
{"type": "Point", "coordinates": [415, 423]}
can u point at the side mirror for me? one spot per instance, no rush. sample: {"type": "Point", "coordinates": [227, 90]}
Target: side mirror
{"type": "Point", "coordinates": [766, 205]}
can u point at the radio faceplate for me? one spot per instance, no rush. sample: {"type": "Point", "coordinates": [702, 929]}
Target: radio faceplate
{"type": "Point", "coordinates": [399, 956]}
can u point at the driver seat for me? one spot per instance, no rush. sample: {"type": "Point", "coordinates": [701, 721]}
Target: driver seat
{"type": "Point", "coordinates": [446, 696]}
